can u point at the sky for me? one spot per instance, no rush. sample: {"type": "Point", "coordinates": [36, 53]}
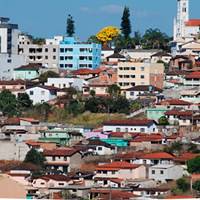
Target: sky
{"type": "Point", "coordinates": [46, 18]}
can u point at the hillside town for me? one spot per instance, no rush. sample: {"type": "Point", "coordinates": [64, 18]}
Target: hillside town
{"type": "Point", "coordinates": [110, 118]}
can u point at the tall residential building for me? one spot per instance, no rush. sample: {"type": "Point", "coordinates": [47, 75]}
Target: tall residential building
{"type": "Point", "coordinates": [46, 54]}
{"type": "Point", "coordinates": [130, 73]}
{"type": "Point", "coordinates": [9, 58]}
{"type": "Point", "coordinates": [75, 55]}
{"type": "Point", "coordinates": [8, 36]}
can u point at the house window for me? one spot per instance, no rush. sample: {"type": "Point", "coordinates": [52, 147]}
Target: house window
{"type": "Point", "coordinates": [153, 171]}
{"type": "Point", "coordinates": [54, 57]}
{"type": "Point", "coordinates": [132, 93]}
{"type": "Point", "coordinates": [105, 182]}
{"type": "Point", "coordinates": [113, 172]}
{"type": "Point", "coordinates": [126, 129]}
{"type": "Point", "coordinates": [118, 129]}
{"type": "Point", "coordinates": [62, 50]}
{"type": "Point", "coordinates": [60, 183]}
{"type": "Point", "coordinates": [99, 148]}
{"type": "Point", "coordinates": [31, 92]}
{"type": "Point", "coordinates": [46, 57]}
{"type": "Point", "coordinates": [61, 65]}
{"type": "Point", "coordinates": [161, 172]}
{"type": "Point", "coordinates": [54, 49]}
{"type": "Point", "coordinates": [132, 68]}
{"type": "Point", "coordinates": [142, 130]}
{"type": "Point", "coordinates": [46, 50]}
{"type": "Point", "coordinates": [142, 76]}
{"type": "Point", "coordinates": [142, 68]}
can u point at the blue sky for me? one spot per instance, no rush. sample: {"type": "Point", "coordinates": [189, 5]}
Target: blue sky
{"type": "Point", "coordinates": [46, 18]}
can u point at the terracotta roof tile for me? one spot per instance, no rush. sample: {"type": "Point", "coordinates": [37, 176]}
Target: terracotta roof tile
{"type": "Point", "coordinates": [60, 152]}
{"type": "Point", "coordinates": [117, 166]}
{"type": "Point", "coordinates": [157, 155]}
{"type": "Point", "coordinates": [192, 75]}
{"type": "Point", "coordinates": [174, 102]}
{"type": "Point", "coordinates": [186, 156]}
{"type": "Point", "coordinates": [193, 22]}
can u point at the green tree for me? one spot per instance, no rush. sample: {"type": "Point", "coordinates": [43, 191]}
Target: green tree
{"type": "Point", "coordinates": [93, 39]}
{"type": "Point", "coordinates": [49, 74]}
{"type": "Point", "coordinates": [196, 186]}
{"type": "Point", "coordinates": [125, 23]}
{"type": "Point", "coordinates": [24, 101]}
{"type": "Point", "coordinates": [163, 121]}
{"type": "Point", "coordinates": [193, 148]}
{"type": "Point", "coordinates": [137, 38]}
{"type": "Point", "coordinates": [70, 26]}
{"type": "Point", "coordinates": [75, 107]}
{"type": "Point", "coordinates": [182, 185]}
{"type": "Point", "coordinates": [8, 103]}
{"type": "Point", "coordinates": [35, 157]}
{"type": "Point", "coordinates": [43, 109]}
{"type": "Point", "coordinates": [193, 165]}
{"type": "Point", "coordinates": [135, 105]}
{"type": "Point", "coordinates": [155, 39]}
{"type": "Point", "coordinates": [92, 93]}
{"type": "Point", "coordinates": [114, 90]}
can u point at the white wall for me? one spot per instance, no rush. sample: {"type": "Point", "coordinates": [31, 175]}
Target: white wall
{"type": "Point", "coordinates": [131, 129]}
{"type": "Point", "coordinates": [39, 95]}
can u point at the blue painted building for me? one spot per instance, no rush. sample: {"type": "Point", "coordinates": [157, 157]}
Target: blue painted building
{"type": "Point", "coordinates": [74, 55]}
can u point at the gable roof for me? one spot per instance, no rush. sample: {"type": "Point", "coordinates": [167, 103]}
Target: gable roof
{"type": "Point", "coordinates": [157, 155]}
{"type": "Point", "coordinates": [130, 122]}
{"type": "Point", "coordinates": [148, 138]}
{"type": "Point", "coordinates": [186, 156]}
{"type": "Point", "coordinates": [60, 152]}
{"type": "Point", "coordinates": [55, 177]}
{"type": "Point", "coordinates": [116, 55]}
{"type": "Point", "coordinates": [86, 71]}
{"type": "Point", "coordinates": [13, 82]}
{"type": "Point", "coordinates": [115, 166]}
{"type": "Point", "coordinates": [174, 102]}
{"type": "Point", "coordinates": [149, 88]}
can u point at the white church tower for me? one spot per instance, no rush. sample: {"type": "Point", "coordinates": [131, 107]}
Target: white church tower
{"type": "Point", "coordinates": [181, 19]}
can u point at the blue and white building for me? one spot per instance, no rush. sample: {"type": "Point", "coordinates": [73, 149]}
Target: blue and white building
{"type": "Point", "coordinates": [75, 55]}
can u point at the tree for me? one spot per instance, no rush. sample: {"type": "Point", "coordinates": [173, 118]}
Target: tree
{"type": "Point", "coordinates": [70, 26]}
{"type": "Point", "coordinates": [44, 109]}
{"type": "Point", "coordinates": [137, 38]}
{"type": "Point", "coordinates": [49, 74]}
{"type": "Point", "coordinates": [8, 103]}
{"type": "Point", "coordinates": [125, 23]}
{"type": "Point", "coordinates": [193, 165]}
{"type": "Point", "coordinates": [182, 185]}
{"type": "Point", "coordinates": [196, 186]}
{"type": "Point", "coordinates": [35, 157]}
{"type": "Point", "coordinates": [93, 39]}
{"type": "Point", "coordinates": [107, 34]}
{"type": "Point", "coordinates": [155, 39]}
{"type": "Point", "coordinates": [92, 93]}
{"type": "Point", "coordinates": [24, 101]}
{"type": "Point", "coordinates": [114, 90]}
{"type": "Point", "coordinates": [135, 105]}
{"type": "Point", "coordinates": [163, 121]}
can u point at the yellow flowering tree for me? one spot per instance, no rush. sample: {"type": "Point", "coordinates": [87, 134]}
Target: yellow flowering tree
{"type": "Point", "coordinates": [107, 34]}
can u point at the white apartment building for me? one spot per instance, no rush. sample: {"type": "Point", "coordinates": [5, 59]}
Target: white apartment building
{"type": "Point", "coordinates": [9, 58]}
{"type": "Point", "coordinates": [132, 73]}
{"type": "Point", "coordinates": [46, 54]}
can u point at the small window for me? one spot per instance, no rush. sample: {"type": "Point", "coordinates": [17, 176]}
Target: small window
{"type": "Point", "coordinates": [46, 49]}
{"type": "Point", "coordinates": [99, 148]}
{"type": "Point", "coordinates": [142, 68]}
{"type": "Point", "coordinates": [153, 171]}
{"type": "Point", "coordinates": [60, 183]}
{"type": "Point", "coordinates": [142, 76]}
{"type": "Point", "coordinates": [161, 172]}
{"type": "Point", "coordinates": [118, 129]}
{"type": "Point", "coordinates": [54, 49]}
{"type": "Point", "coordinates": [31, 92]}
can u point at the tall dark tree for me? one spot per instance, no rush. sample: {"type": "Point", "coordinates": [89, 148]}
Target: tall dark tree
{"type": "Point", "coordinates": [126, 23]}
{"type": "Point", "coordinates": [70, 26]}
{"type": "Point", "coordinates": [24, 101]}
{"type": "Point", "coordinates": [8, 103]}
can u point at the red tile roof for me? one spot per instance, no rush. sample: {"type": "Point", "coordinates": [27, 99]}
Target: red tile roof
{"type": "Point", "coordinates": [60, 152]}
{"type": "Point", "coordinates": [178, 113]}
{"type": "Point", "coordinates": [122, 134]}
{"type": "Point", "coordinates": [13, 82]}
{"type": "Point", "coordinates": [186, 156]}
{"type": "Point", "coordinates": [193, 22]}
{"type": "Point", "coordinates": [174, 102]}
{"type": "Point", "coordinates": [117, 166]}
{"type": "Point", "coordinates": [114, 180]}
{"type": "Point", "coordinates": [149, 138]}
{"type": "Point", "coordinates": [130, 122]}
{"type": "Point", "coordinates": [86, 71]}
{"type": "Point", "coordinates": [55, 177]}
{"type": "Point", "coordinates": [30, 120]}
{"type": "Point", "coordinates": [192, 75]}
{"type": "Point", "coordinates": [157, 155]}
{"type": "Point", "coordinates": [179, 197]}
